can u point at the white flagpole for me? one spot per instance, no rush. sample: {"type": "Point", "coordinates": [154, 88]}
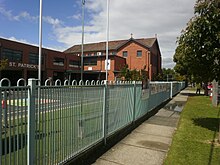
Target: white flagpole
{"type": "Point", "coordinates": [107, 39]}
{"type": "Point", "coordinates": [82, 66]}
{"type": "Point", "coordinates": [40, 43]}
{"type": "Point", "coordinates": [39, 60]}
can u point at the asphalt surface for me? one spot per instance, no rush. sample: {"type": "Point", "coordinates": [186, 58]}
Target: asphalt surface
{"type": "Point", "coordinates": [148, 144]}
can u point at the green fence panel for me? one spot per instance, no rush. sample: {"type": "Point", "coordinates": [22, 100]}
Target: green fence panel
{"type": "Point", "coordinates": [142, 101]}
{"type": "Point", "coordinates": [13, 125]}
{"type": "Point", "coordinates": [70, 120]}
{"type": "Point", "coordinates": [120, 101]}
{"type": "Point", "coordinates": [159, 92]}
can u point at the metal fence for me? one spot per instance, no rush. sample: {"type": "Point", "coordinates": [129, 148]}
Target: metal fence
{"type": "Point", "coordinates": [51, 124]}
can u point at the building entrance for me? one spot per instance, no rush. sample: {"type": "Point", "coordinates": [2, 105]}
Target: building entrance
{"type": "Point", "coordinates": [13, 76]}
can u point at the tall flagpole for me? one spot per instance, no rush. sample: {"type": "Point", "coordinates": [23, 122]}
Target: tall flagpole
{"type": "Point", "coordinates": [39, 60]}
{"type": "Point", "coordinates": [40, 43]}
{"type": "Point", "coordinates": [107, 39]}
{"type": "Point", "coordinates": [82, 66]}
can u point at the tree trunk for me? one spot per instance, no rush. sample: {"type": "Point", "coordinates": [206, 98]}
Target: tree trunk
{"type": "Point", "coordinates": [206, 92]}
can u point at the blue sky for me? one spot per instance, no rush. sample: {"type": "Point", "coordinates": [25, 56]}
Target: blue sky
{"type": "Point", "coordinates": [20, 21]}
{"type": "Point", "coordinates": [62, 22]}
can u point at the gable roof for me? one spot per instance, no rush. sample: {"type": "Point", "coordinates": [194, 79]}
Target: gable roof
{"type": "Point", "coordinates": [113, 45]}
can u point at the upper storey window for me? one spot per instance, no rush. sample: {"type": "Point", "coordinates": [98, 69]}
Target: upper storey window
{"type": "Point", "coordinates": [139, 53]}
{"type": "Point", "coordinates": [34, 59]}
{"type": "Point", "coordinates": [12, 55]}
{"type": "Point", "coordinates": [58, 61]}
{"type": "Point", "coordinates": [125, 54]}
{"type": "Point", "coordinates": [90, 61]}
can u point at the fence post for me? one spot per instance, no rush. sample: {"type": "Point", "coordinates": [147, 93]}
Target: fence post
{"type": "Point", "coordinates": [4, 101]}
{"type": "Point", "coordinates": [134, 107]}
{"type": "Point", "coordinates": [1, 127]}
{"type": "Point", "coordinates": [171, 90]}
{"type": "Point", "coordinates": [31, 122]}
{"type": "Point", "coordinates": [104, 113]}
{"type": "Point", "coordinates": [4, 108]}
{"type": "Point", "coordinates": [215, 93]}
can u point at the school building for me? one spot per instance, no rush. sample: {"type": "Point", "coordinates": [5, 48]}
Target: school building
{"type": "Point", "coordinates": [140, 54]}
{"type": "Point", "coordinates": [22, 60]}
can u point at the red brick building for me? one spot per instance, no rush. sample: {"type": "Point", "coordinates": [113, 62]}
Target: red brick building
{"type": "Point", "coordinates": [22, 62]}
{"type": "Point", "coordinates": [136, 53]}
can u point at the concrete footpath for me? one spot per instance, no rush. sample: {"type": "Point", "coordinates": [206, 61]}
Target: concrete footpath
{"type": "Point", "coordinates": [148, 144]}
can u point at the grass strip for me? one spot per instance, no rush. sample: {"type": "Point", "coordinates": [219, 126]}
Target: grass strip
{"type": "Point", "coordinates": [195, 141]}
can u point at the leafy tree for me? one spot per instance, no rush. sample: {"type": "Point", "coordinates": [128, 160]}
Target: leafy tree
{"type": "Point", "coordinates": [170, 75]}
{"type": "Point", "coordinates": [3, 64]}
{"type": "Point", "coordinates": [198, 50]}
{"type": "Point", "coordinates": [125, 73]}
{"type": "Point", "coordinates": [130, 75]}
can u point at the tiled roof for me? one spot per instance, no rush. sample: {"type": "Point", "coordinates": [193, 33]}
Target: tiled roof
{"type": "Point", "coordinates": [113, 45]}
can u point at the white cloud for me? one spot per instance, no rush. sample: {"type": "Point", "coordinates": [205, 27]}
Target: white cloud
{"type": "Point", "coordinates": [18, 40]}
{"type": "Point", "coordinates": [52, 21]}
{"type": "Point", "coordinates": [22, 15]}
{"type": "Point", "coordinates": [27, 16]}
{"type": "Point", "coordinates": [167, 62]}
{"type": "Point", "coordinates": [6, 13]}
{"type": "Point", "coordinates": [142, 18]}
{"type": "Point", "coordinates": [76, 16]}
{"type": "Point", "coordinates": [12, 38]}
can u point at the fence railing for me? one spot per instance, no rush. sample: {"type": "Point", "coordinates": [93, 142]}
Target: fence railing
{"type": "Point", "coordinates": [52, 124]}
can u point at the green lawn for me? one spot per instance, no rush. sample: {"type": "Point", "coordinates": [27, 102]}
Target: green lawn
{"type": "Point", "coordinates": [198, 128]}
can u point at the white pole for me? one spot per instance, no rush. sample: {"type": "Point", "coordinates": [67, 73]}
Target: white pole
{"type": "Point", "coordinates": [40, 43]}
{"type": "Point", "coordinates": [82, 67]}
{"type": "Point", "coordinates": [39, 61]}
{"type": "Point", "coordinates": [107, 39]}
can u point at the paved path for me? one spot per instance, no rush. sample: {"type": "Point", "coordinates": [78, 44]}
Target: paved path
{"type": "Point", "coordinates": [148, 144]}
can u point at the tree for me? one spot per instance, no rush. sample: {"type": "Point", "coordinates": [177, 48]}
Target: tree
{"type": "Point", "coordinates": [125, 73]}
{"type": "Point", "coordinates": [133, 75]}
{"type": "Point", "coordinates": [169, 74]}
{"type": "Point", "coordinates": [3, 64]}
{"type": "Point", "coordinates": [198, 50]}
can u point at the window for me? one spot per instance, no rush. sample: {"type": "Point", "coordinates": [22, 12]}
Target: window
{"type": "Point", "coordinates": [33, 58]}
{"type": "Point", "coordinates": [58, 61]}
{"type": "Point", "coordinates": [139, 53]}
{"type": "Point", "coordinates": [125, 54]}
{"type": "Point", "coordinates": [90, 61]}
{"type": "Point", "coordinates": [75, 64]}
{"type": "Point", "coordinates": [99, 53]}
{"type": "Point", "coordinates": [12, 55]}
{"type": "Point", "coordinates": [113, 53]}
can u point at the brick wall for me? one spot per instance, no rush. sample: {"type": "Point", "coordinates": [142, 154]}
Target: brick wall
{"type": "Point", "coordinates": [116, 64]}
{"type": "Point", "coordinates": [132, 60]}
{"type": "Point", "coordinates": [48, 55]}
